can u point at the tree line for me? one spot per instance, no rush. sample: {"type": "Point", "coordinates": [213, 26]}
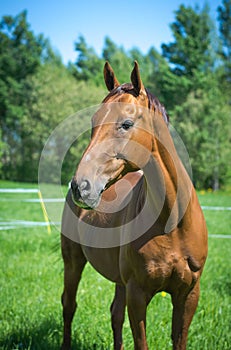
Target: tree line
{"type": "Point", "coordinates": [191, 77]}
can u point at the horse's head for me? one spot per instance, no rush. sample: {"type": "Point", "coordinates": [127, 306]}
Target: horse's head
{"type": "Point", "coordinates": [121, 141]}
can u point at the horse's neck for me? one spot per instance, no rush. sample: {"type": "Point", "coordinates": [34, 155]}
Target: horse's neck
{"type": "Point", "coordinates": [168, 184]}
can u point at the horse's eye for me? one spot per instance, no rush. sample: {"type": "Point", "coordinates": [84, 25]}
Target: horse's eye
{"type": "Point", "coordinates": [127, 124]}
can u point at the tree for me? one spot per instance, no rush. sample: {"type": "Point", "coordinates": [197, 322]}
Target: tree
{"type": "Point", "coordinates": [88, 66]}
{"type": "Point", "coordinates": [110, 49]}
{"type": "Point", "coordinates": [20, 55]}
{"type": "Point", "coordinates": [161, 81]}
{"type": "Point", "coordinates": [53, 94]}
{"type": "Point", "coordinates": [190, 53]}
{"type": "Point", "coordinates": [118, 59]}
{"type": "Point", "coordinates": [224, 17]}
{"type": "Point", "coordinates": [203, 122]}
{"type": "Point", "coordinates": [198, 106]}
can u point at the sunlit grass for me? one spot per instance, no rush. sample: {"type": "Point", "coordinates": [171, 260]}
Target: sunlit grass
{"type": "Point", "coordinates": [218, 221]}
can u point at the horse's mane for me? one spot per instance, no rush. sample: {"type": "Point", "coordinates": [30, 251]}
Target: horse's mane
{"type": "Point", "coordinates": [153, 102]}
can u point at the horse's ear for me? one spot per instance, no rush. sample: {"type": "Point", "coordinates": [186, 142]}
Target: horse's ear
{"type": "Point", "coordinates": [136, 79]}
{"type": "Point", "coordinates": [109, 77]}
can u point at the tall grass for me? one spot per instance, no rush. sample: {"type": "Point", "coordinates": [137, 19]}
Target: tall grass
{"type": "Point", "coordinates": [31, 285]}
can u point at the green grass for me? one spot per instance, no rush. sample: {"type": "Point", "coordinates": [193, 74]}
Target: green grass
{"type": "Point", "coordinates": [218, 221]}
{"type": "Point", "coordinates": [31, 285]}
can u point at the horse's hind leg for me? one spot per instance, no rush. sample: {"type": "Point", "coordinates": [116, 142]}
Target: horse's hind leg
{"type": "Point", "coordinates": [74, 262]}
{"type": "Point", "coordinates": [117, 315]}
{"type": "Point", "coordinates": [183, 312]}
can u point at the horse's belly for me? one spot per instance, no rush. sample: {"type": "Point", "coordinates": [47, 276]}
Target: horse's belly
{"type": "Point", "coordinates": [105, 261]}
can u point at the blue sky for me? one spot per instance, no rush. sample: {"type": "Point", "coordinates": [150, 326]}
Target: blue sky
{"type": "Point", "coordinates": [139, 23]}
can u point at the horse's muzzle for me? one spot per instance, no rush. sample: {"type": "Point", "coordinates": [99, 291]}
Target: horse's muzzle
{"type": "Point", "coordinates": [81, 194]}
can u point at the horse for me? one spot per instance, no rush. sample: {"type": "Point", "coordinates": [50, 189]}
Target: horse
{"type": "Point", "coordinates": [133, 214]}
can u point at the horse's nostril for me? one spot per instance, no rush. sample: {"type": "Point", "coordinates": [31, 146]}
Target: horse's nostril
{"type": "Point", "coordinates": [81, 190]}
{"type": "Point", "coordinates": [85, 185]}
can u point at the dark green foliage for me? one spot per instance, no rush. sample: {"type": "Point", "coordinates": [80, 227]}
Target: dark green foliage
{"type": "Point", "coordinates": [88, 65]}
{"type": "Point", "coordinates": [190, 50]}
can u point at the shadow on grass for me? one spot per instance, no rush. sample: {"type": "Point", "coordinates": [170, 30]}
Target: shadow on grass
{"type": "Point", "coordinates": [47, 336]}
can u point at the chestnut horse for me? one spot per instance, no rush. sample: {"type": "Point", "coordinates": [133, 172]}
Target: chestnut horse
{"type": "Point", "coordinates": [133, 213]}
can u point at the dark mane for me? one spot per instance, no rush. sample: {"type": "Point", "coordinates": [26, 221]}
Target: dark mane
{"type": "Point", "coordinates": [153, 102]}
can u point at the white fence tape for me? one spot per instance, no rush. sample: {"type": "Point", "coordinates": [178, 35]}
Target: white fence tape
{"type": "Point", "coordinates": [214, 208]}
{"type": "Point", "coordinates": [18, 190]}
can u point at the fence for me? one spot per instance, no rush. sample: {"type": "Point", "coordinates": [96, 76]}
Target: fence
{"type": "Point", "coordinates": [14, 224]}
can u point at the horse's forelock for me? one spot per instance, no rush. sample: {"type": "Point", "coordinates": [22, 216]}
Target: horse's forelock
{"type": "Point", "coordinates": [124, 88]}
{"type": "Point", "coordinates": [153, 102]}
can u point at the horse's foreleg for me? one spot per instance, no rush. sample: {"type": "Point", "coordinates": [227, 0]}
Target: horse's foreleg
{"type": "Point", "coordinates": [137, 305]}
{"type": "Point", "coordinates": [74, 262]}
{"type": "Point", "coordinates": [183, 312]}
{"type": "Point", "coordinates": [117, 315]}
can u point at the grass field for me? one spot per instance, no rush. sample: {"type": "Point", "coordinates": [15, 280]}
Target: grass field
{"type": "Point", "coordinates": [31, 285]}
